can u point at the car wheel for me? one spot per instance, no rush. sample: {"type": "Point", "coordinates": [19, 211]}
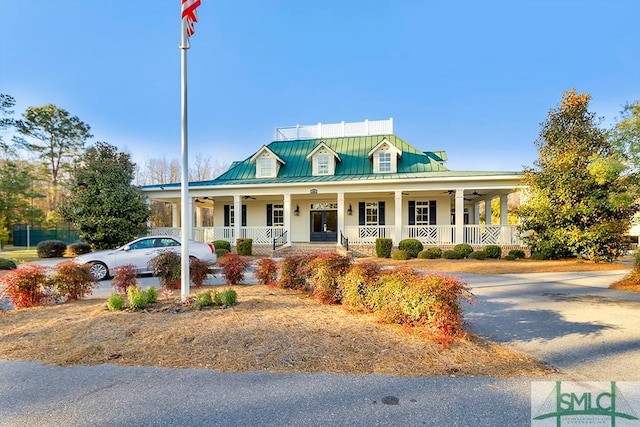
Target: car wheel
{"type": "Point", "coordinates": [99, 270]}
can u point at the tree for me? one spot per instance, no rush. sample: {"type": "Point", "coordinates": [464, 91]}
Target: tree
{"type": "Point", "coordinates": [580, 200]}
{"type": "Point", "coordinates": [55, 137]}
{"type": "Point", "coordinates": [6, 121]}
{"type": "Point", "coordinates": [104, 206]}
{"type": "Point", "coordinates": [625, 136]}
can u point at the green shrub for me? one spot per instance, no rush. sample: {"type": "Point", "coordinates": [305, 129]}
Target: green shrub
{"type": "Point", "coordinates": [383, 247]}
{"type": "Point", "coordinates": [203, 299]}
{"type": "Point", "coordinates": [493, 251]}
{"type": "Point", "coordinates": [221, 252]}
{"type": "Point", "coordinates": [267, 271]}
{"type": "Point", "coordinates": [222, 244]}
{"type": "Point", "coordinates": [7, 264]}
{"type": "Point", "coordinates": [385, 298]}
{"type": "Point", "coordinates": [72, 281]}
{"type": "Point", "coordinates": [322, 273]}
{"type": "Point", "coordinates": [464, 248]}
{"type": "Point", "coordinates": [478, 255]}
{"type": "Point", "coordinates": [355, 285]}
{"type": "Point", "coordinates": [516, 253]}
{"type": "Point", "coordinates": [138, 299]}
{"type": "Point", "coordinates": [26, 286]}
{"type": "Point", "coordinates": [76, 249]}
{"type": "Point", "coordinates": [430, 253]}
{"type": "Point", "coordinates": [233, 268]}
{"type": "Point", "coordinates": [244, 247]}
{"type": "Point", "coordinates": [400, 254]}
{"type": "Point", "coordinates": [413, 246]}
{"type": "Point", "coordinates": [452, 255]}
{"type": "Point", "coordinates": [124, 277]}
{"type": "Point", "coordinates": [551, 249]}
{"type": "Point", "coordinates": [537, 256]}
{"type": "Point", "coordinates": [510, 257]}
{"type": "Point", "coordinates": [115, 302]}
{"type": "Point", "coordinates": [51, 249]}
{"type": "Point", "coordinates": [226, 298]}
{"type": "Point", "coordinates": [152, 294]}
{"type": "Point", "coordinates": [292, 272]}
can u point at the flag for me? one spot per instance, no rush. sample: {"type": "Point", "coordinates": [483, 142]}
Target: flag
{"type": "Point", "coordinates": [189, 17]}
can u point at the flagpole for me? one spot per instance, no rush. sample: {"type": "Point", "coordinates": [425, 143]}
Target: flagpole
{"type": "Point", "coordinates": [185, 218]}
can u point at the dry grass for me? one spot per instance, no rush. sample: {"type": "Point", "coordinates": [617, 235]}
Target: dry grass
{"type": "Point", "coordinates": [501, 266]}
{"type": "Point", "coordinates": [268, 330]}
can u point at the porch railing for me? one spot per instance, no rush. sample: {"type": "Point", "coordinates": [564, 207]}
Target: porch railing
{"type": "Point", "coordinates": [504, 235]}
{"type": "Point", "coordinates": [431, 235]}
{"type": "Point", "coordinates": [367, 234]}
{"type": "Point", "coordinates": [344, 241]}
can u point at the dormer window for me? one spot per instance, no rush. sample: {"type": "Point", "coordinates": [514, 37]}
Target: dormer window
{"type": "Point", "coordinates": [384, 161]}
{"type": "Point", "coordinates": [267, 163]}
{"type": "Point", "coordinates": [323, 164]}
{"type": "Point", "coordinates": [385, 157]}
{"type": "Point", "coordinates": [264, 166]}
{"type": "Point", "coordinates": [323, 159]}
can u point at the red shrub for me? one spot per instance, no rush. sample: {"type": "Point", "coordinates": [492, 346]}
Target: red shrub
{"type": "Point", "coordinates": [267, 272]}
{"type": "Point", "coordinates": [198, 271]}
{"type": "Point", "coordinates": [357, 283]}
{"type": "Point", "coordinates": [124, 277]}
{"type": "Point", "coordinates": [26, 286]}
{"type": "Point", "coordinates": [233, 268]}
{"type": "Point", "coordinates": [293, 272]}
{"type": "Point", "coordinates": [72, 281]}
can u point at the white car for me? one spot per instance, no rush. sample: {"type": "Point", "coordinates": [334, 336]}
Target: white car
{"type": "Point", "coordinates": [140, 252]}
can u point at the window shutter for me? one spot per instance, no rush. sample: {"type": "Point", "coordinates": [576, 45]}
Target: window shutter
{"type": "Point", "coordinates": [244, 215]}
{"type": "Point", "coordinates": [412, 212]}
{"type": "Point", "coordinates": [227, 221]}
{"type": "Point", "coordinates": [361, 213]}
{"type": "Point", "coordinates": [380, 213]}
{"type": "Point", "coordinates": [432, 212]}
{"type": "Point", "coordinates": [269, 215]}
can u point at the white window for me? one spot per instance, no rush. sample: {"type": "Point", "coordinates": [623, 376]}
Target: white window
{"type": "Point", "coordinates": [323, 164]}
{"type": "Point", "coordinates": [371, 213]}
{"type": "Point", "coordinates": [422, 213]}
{"type": "Point", "coordinates": [384, 161]}
{"type": "Point", "coordinates": [264, 166]}
{"type": "Point", "coordinates": [278, 215]}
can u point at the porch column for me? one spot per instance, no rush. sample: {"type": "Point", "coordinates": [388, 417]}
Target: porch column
{"type": "Point", "coordinates": [476, 214]}
{"type": "Point", "coordinates": [340, 215]}
{"type": "Point", "coordinates": [503, 209]}
{"type": "Point", "coordinates": [198, 218]}
{"type": "Point", "coordinates": [459, 216]}
{"type": "Point", "coordinates": [237, 217]}
{"type": "Point", "coordinates": [487, 211]}
{"type": "Point", "coordinates": [286, 204]}
{"type": "Point", "coordinates": [397, 218]}
{"type": "Point", "coordinates": [175, 217]}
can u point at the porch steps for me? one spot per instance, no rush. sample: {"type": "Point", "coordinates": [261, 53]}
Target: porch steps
{"type": "Point", "coordinates": [306, 249]}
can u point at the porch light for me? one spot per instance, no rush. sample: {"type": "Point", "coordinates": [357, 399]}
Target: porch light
{"type": "Point", "coordinates": [297, 211]}
{"type": "Point", "coordinates": [349, 211]}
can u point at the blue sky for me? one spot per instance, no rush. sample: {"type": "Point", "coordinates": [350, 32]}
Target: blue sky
{"type": "Point", "coordinates": [473, 78]}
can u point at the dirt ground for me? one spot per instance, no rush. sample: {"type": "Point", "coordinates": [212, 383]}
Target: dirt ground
{"type": "Point", "coordinates": [268, 330]}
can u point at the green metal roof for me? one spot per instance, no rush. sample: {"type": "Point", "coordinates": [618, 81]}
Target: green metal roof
{"type": "Point", "coordinates": [355, 164]}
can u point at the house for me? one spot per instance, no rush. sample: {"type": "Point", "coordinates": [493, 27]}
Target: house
{"type": "Point", "coordinates": [345, 185]}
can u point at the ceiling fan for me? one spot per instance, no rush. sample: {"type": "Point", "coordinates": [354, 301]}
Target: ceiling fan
{"type": "Point", "coordinates": [475, 193]}
{"type": "Point", "coordinates": [248, 197]}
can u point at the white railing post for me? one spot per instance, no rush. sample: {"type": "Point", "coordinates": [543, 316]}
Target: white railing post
{"type": "Point", "coordinates": [391, 125]}
{"type": "Point", "coordinates": [366, 125]}
{"type": "Point", "coordinates": [342, 123]}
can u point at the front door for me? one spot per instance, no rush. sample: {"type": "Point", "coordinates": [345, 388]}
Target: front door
{"type": "Point", "coordinates": [323, 226]}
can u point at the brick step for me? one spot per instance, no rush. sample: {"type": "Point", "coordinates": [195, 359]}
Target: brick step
{"type": "Point", "coordinates": [304, 249]}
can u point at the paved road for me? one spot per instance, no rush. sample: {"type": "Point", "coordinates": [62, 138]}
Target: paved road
{"type": "Point", "coordinates": [567, 319]}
